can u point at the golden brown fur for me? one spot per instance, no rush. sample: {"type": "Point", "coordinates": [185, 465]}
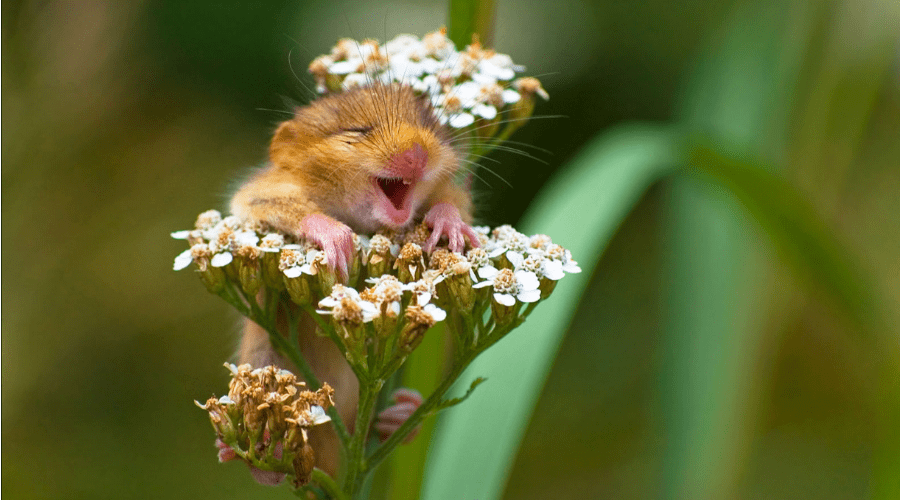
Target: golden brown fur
{"type": "Point", "coordinates": [322, 162]}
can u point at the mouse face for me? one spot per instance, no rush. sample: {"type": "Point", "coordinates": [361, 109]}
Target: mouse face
{"type": "Point", "coordinates": [369, 157]}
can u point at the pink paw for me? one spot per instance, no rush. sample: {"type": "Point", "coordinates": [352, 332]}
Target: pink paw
{"type": "Point", "coordinates": [444, 219]}
{"type": "Point", "coordinates": [392, 417]}
{"type": "Point", "coordinates": [333, 237]}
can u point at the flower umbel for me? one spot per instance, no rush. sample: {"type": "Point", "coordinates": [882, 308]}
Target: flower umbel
{"type": "Point", "coordinates": [264, 421]}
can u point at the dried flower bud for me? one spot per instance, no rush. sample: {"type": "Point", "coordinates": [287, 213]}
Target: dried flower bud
{"type": "Point", "coordinates": [418, 234]}
{"type": "Point", "coordinates": [303, 465]}
{"type": "Point", "coordinates": [381, 255]}
{"type": "Point", "coordinates": [409, 263]}
{"type": "Point", "coordinates": [276, 417]}
{"type": "Point", "coordinates": [520, 111]}
{"type": "Point", "coordinates": [418, 320]}
{"type": "Point", "coordinates": [208, 220]}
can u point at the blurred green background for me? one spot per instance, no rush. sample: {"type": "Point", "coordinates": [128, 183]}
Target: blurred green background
{"type": "Point", "coordinates": [123, 120]}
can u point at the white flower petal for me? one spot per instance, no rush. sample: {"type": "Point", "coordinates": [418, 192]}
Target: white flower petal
{"type": "Point", "coordinates": [318, 415]}
{"type": "Point", "coordinates": [183, 260]}
{"type": "Point", "coordinates": [436, 312]}
{"type": "Point", "coordinates": [511, 96]}
{"type": "Point", "coordinates": [423, 298]}
{"type": "Point", "coordinates": [527, 280]}
{"type": "Point", "coordinates": [461, 120]}
{"type": "Point", "coordinates": [181, 235]}
{"type": "Point", "coordinates": [571, 267]}
{"type": "Point", "coordinates": [485, 111]}
{"type": "Point", "coordinates": [529, 296]}
{"type": "Point", "coordinates": [221, 259]}
{"type": "Point", "coordinates": [345, 67]}
{"type": "Point", "coordinates": [553, 269]}
{"type": "Point", "coordinates": [329, 302]}
{"type": "Point", "coordinates": [488, 272]}
{"type": "Point", "coordinates": [367, 307]}
{"type": "Point", "coordinates": [225, 400]}
{"type": "Point", "coordinates": [293, 272]}
{"type": "Point", "coordinates": [505, 299]}
{"type": "Point", "coordinates": [483, 284]}
{"type": "Point", "coordinates": [246, 238]}
{"type": "Point", "coordinates": [497, 252]}
{"type": "Point", "coordinates": [515, 258]}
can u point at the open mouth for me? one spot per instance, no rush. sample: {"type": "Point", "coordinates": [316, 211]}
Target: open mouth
{"type": "Point", "coordinates": [395, 201]}
{"type": "Point", "coordinates": [395, 190]}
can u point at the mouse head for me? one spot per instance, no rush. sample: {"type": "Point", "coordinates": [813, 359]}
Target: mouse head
{"type": "Point", "coordinates": [370, 156]}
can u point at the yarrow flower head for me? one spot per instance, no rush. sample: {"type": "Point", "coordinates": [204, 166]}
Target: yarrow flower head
{"type": "Point", "coordinates": [474, 84]}
{"type": "Point", "coordinates": [510, 286]}
{"type": "Point", "coordinates": [268, 402]}
{"type": "Point", "coordinates": [347, 307]}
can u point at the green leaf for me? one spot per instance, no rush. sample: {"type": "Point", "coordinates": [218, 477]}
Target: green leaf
{"type": "Point", "coordinates": [793, 226]}
{"type": "Point", "coordinates": [581, 208]}
{"type": "Point", "coordinates": [455, 401]}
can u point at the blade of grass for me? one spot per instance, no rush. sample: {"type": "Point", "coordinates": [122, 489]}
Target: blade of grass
{"type": "Point", "coordinates": [713, 338]}
{"type": "Point", "coordinates": [475, 443]}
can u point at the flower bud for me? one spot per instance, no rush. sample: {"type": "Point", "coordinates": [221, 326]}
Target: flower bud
{"type": "Point", "coordinates": [547, 286]}
{"type": "Point", "coordinates": [212, 277]}
{"type": "Point", "coordinates": [409, 264]}
{"type": "Point", "coordinates": [418, 320]}
{"type": "Point", "coordinates": [324, 273]}
{"type": "Point", "coordinates": [303, 465]}
{"type": "Point", "coordinates": [249, 271]}
{"type": "Point", "coordinates": [381, 255]}
{"type": "Point", "coordinates": [299, 289]}
{"type": "Point", "coordinates": [355, 264]}
{"type": "Point", "coordinates": [527, 88]}
{"type": "Point", "coordinates": [270, 248]}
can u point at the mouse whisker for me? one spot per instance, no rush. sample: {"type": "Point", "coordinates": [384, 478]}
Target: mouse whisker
{"type": "Point", "coordinates": [465, 131]}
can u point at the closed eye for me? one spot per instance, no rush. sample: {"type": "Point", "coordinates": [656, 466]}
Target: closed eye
{"type": "Point", "coordinates": [358, 130]}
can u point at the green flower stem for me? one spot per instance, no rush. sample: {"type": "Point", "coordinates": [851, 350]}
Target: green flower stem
{"type": "Point", "coordinates": [326, 327]}
{"type": "Point", "coordinates": [423, 411]}
{"type": "Point", "coordinates": [356, 463]}
{"type": "Point", "coordinates": [228, 295]}
{"type": "Point", "coordinates": [328, 484]}
{"type": "Point", "coordinates": [434, 401]}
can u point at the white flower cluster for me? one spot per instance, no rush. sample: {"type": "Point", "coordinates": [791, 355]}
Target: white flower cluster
{"type": "Point", "coordinates": [512, 266]}
{"type": "Point", "coordinates": [463, 85]}
{"type": "Point", "coordinates": [214, 241]}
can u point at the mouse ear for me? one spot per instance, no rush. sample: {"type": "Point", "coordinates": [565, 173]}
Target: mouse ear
{"type": "Point", "coordinates": [284, 140]}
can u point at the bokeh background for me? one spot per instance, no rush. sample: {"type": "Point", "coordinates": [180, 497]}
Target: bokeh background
{"type": "Point", "coordinates": [123, 120]}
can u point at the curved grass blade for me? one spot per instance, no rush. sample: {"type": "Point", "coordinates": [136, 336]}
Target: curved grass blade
{"type": "Point", "coordinates": [475, 444]}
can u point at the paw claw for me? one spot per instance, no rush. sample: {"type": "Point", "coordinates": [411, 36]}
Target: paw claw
{"type": "Point", "coordinates": [444, 219]}
{"type": "Point", "coordinates": [335, 239]}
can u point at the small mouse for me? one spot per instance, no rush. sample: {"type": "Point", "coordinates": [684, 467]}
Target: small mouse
{"type": "Point", "coordinates": [375, 157]}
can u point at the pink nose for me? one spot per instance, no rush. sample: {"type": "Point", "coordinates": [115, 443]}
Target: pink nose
{"type": "Point", "coordinates": [410, 163]}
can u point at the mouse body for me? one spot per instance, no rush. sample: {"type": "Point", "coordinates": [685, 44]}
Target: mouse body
{"type": "Point", "coordinates": [371, 158]}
